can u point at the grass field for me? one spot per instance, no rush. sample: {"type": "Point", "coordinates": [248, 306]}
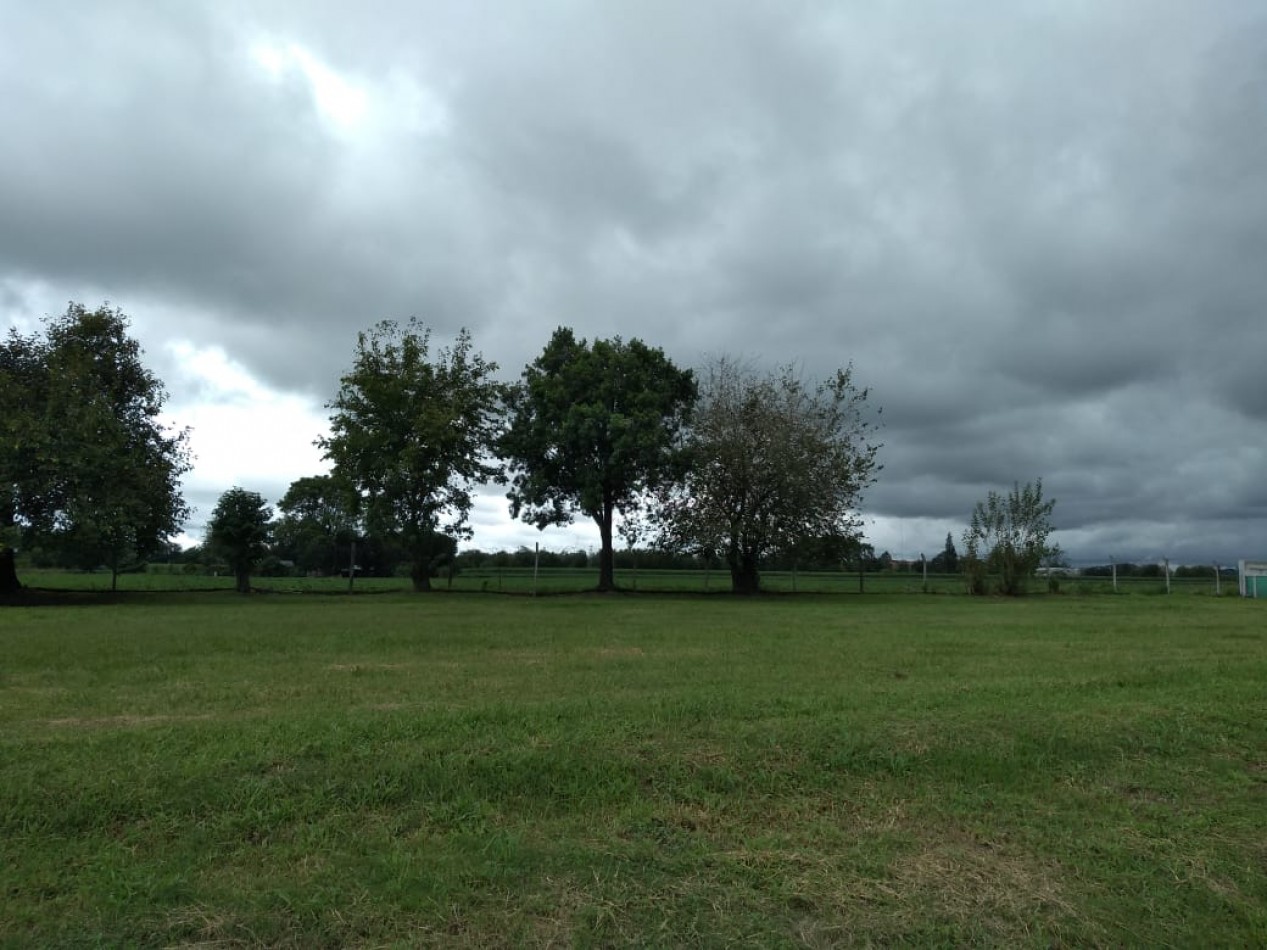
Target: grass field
{"type": "Point", "coordinates": [302, 771]}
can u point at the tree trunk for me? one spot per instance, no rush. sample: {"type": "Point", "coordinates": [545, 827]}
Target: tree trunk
{"type": "Point", "coordinates": [9, 583]}
{"type": "Point", "coordinates": [243, 581]}
{"type": "Point", "coordinates": [744, 577]}
{"type": "Point", "coordinates": [606, 553]}
{"type": "Point", "coordinates": [420, 574]}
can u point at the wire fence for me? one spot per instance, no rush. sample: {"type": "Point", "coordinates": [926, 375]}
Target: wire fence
{"type": "Point", "coordinates": [526, 581]}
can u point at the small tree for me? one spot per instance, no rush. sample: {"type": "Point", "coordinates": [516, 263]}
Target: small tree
{"type": "Point", "coordinates": [1007, 537]}
{"type": "Point", "coordinates": [316, 517]}
{"type": "Point", "coordinates": [239, 532]}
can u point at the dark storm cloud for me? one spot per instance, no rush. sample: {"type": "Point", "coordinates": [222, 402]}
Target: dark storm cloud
{"type": "Point", "coordinates": [1036, 229]}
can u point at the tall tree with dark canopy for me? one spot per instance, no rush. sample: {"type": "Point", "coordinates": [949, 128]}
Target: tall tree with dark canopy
{"type": "Point", "coordinates": [412, 433]}
{"type": "Point", "coordinates": [84, 458]}
{"type": "Point", "coordinates": [774, 463]}
{"type": "Point", "coordinates": [947, 562]}
{"type": "Point", "coordinates": [239, 532]}
{"type": "Point", "coordinates": [592, 427]}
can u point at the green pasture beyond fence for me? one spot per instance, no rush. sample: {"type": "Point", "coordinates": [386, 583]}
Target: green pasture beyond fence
{"type": "Point", "coordinates": [576, 580]}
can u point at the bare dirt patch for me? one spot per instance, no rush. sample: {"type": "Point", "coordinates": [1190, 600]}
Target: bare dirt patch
{"type": "Point", "coordinates": [991, 885]}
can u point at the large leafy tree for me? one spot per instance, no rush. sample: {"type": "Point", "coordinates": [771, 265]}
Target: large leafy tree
{"type": "Point", "coordinates": [1007, 539]}
{"type": "Point", "coordinates": [775, 464]}
{"type": "Point", "coordinates": [412, 433]}
{"type": "Point", "coordinates": [592, 427]}
{"type": "Point", "coordinates": [239, 531]}
{"type": "Point", "coordinates": [85, 460]}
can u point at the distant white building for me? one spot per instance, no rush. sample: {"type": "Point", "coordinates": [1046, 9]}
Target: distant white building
{"type": "Point", "coordinates": [1253, 575]}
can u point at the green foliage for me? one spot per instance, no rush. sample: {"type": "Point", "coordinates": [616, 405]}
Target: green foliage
{"type": "Point", "coordinates": [84, 459]}
{"type": "Point", "coordinates": [773, 464]}
{"type": "Point", "coordinates": [1007, 538]}
{"type": "Point", "coordinates": [317, 518]}
{"type": "Point", "coordinates": [413, 435]}
{"type": "Point", "coordinates": [593, 427]}
{"type": "Point", "coordinates": [239, 531]}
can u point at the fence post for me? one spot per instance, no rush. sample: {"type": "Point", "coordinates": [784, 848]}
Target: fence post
{"type": "Point", "coordinates": [1114, 563]}
{"type": "Point", "coordinates": [1217, 591]}
{"type": "Point", "coordinates": [536, 562]}
{"type": "Point", "coordinates": [1166, 566]}
{"type": "Point", "coordinates": [924, 564]}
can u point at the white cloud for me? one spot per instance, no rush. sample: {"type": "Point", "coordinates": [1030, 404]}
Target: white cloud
{"type": "Point", "coordinates": [342, 102]}
{"type": "Point", "coordinates": [243, 432]}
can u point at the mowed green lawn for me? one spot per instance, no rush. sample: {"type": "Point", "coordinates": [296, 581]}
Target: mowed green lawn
{"type": "Point", "coordinates": [473, 770]}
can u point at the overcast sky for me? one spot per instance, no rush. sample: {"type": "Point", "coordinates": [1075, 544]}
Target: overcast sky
{"type": "Point", "coordinates": [1037, 229]}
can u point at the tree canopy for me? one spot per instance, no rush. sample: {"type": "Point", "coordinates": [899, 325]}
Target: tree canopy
{"type": "Point", "coordinates": [412, 434]}
{"type": "Point", "coordinates": [239, 531]}
{"type": "Point", "coordinates": [85, 461]}
{"type": "Point", "coordinates": [592, 427]}
{"type": "Point", "coordinates": [1007, 538]}
{"type": "Point", "coordinates": [774, 463]}
{"type": "Point", "coordinates": [316, 516]}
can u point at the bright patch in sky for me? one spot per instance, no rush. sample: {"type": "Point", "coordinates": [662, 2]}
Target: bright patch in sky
{"type": "Point", "coordinates": [243, 432]}
{"type": "Point", "coordinates": [342, 102]}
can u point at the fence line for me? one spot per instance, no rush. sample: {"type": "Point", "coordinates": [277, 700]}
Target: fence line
{"type": "Point", "coordinates": [520, 580]}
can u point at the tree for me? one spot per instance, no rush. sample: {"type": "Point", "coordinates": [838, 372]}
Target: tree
{"type": "Point", "coordinates": [30, 489]}
{"type": "Point", "coordinates": [412, 435]}
{"type": "Point", "coordinates": [947, 562]}
{"type": "Point", "coordinates": [316, 517]}
{"type": "Point", "coordinates": [239, 531]}
{"type": "Point", "coordinates": [1007, 537]}
{"type": "Point", "coordinates": [773, 463]}
{"type": "Point", "coordinates": [84, 460]}
{"type": "Point", "coordinates": [592, 428]}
